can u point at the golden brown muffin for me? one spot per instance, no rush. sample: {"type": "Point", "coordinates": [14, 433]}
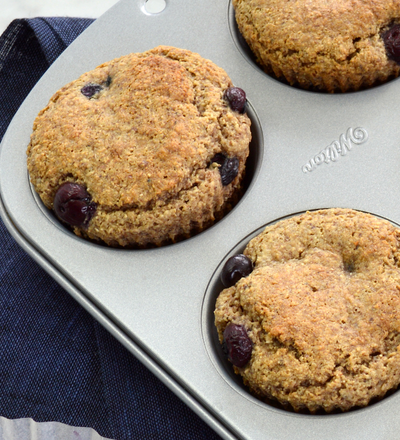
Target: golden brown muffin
{"type": "Point", "coordinates": [321, 309]}
{"type": "Point", "coordinates": [152, 142]}
{"type": "Point", "coordinates": [324, 45]}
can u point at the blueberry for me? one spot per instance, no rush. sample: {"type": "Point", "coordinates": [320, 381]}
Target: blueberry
{"type": "Point", "coordinates": [229, 167]}
{"type": "Point", "coordinates": [73, 204]}
{"type": "Point", "coordinates": [237, 345]}
{"type": "Point", "coordinates": [91, 89]}
{"type": "Point", "coordinates": [235, 268]}
{"type": "Point", "coordinates": [236, 98]}
{"type": "Point", "coordinates": [229, 170]}
{"type": "Point", "coordinates": [219, 158]}
{"type": "Point", "coordinates": [391, 39]}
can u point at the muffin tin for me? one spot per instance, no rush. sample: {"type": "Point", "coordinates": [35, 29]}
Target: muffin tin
{"type": "Point", "coordinates": [309, 151]}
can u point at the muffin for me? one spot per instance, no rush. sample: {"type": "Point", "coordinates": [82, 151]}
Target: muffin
{"type": "Point", "coordinates": [310, 317]}
{"type": "Point", "coordinates": [144, 150]}
{"type": "Point", "coordinates": [342, 45]}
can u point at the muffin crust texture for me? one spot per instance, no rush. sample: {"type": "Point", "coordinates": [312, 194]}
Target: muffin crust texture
{"type": "Point", "coordinates": [322, 309]}
{"type": "Point", "coordinates": [318, 44]}
{"type": "Point", "coordinates": [142, 146]}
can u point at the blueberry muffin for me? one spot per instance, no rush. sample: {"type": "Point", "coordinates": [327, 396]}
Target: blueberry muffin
{"type": "Point", "coordinates": [144, 150]}
{"type": "Point", "coordinates": [341, 45]}
{"type": "Point", "coordinates": [310, 316]}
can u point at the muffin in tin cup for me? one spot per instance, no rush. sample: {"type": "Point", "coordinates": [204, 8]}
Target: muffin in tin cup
{"type": "Point", "coordinates": [336, 46]}
{"type": "Point", "coordinates": [310, 313]}
{"type": "Point", "coordinates": [144, 150]}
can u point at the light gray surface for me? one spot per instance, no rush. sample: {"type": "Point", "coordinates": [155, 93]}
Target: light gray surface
{"type": "Point", "coordinates": [28, 429]}
{"type": "Point", "coordinates": [158, 302]}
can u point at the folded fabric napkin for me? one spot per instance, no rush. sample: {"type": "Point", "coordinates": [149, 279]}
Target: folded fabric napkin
{"type": "Point", "coordinates": [56, 362]}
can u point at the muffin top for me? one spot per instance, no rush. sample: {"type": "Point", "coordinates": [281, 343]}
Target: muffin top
{"type": "Point", "coordinates": [146, 135]}
{"type": "Point", "coordinates": [319, 44]}
{"type": "Point", "coordinates": [321, 309]}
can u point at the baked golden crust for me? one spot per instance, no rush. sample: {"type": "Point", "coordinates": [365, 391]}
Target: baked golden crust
{"type": "Point", "coordinates": [325, 45]}
{"type": "Point", "coordinates": [322, 308]}
{"type": "Point", "coordinates": [142, 146]}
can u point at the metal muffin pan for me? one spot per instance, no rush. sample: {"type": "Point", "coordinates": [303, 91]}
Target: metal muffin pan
{"type": "Point", "coordinates": [310, 151]}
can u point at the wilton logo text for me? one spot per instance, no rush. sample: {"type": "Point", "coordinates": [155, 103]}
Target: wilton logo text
{"type": "Point", "coordinates": [337, 148]}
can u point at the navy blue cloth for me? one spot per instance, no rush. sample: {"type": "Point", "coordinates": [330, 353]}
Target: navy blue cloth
{"type": "Point", "coordinates": [56, 362]}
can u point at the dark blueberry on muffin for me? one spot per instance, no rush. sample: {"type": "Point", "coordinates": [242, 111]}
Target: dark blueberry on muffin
{"type": "Point", "coordinates": [391, 39]}
{"type": "Point", "coordinates": [73, 204]}
{"type": "Point", "coordinates": [229, 167]}
{"type": "Point", "coordinates": [236, 98]}
{"type": "Point", "coordinates": [89, 90]}
{"type": "Point", "coordinates": [237, 345]}
{"type": "Point", "coordinates": [235, 268]}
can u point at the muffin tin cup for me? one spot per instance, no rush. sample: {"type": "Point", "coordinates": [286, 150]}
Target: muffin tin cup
{"type": "Point", "coordinates": [309, 151]}
{"type": "Point", "coordinates": [210, 334]}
